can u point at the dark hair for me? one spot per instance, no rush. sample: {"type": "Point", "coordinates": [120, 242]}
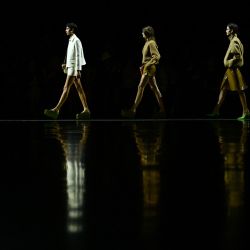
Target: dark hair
{"type": "Point", "coordinates": [234, 27]}
{"type": "Point", "coordinates": [72, 26]}
{"type": "Point", "coordinates": [149, 32]}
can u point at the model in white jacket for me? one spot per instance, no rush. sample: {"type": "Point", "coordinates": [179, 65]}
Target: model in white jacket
{"type": "Point", "coordinates": [72, 66]}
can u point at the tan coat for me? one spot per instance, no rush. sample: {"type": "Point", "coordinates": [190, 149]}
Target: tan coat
{"type": "Point", "coordinates": [150, 57]}
{"type": "Point", "coordinates": [234, 54]}
{"type": "Point", "coordinates": [233, 60]}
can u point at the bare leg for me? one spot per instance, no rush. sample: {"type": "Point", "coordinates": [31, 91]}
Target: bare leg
{"type": "Point", "coordinates": [81, 94]}
{"type": "Point", "coordinates": [132, 111]}
{"type": "Point", "coordinates": [158, 95]}
{"type": "Point", "coordinates": [53, 113]}
{"type": "Point", "coordinates": [140, 91]}
{"type": "Point", "coordinates": [243, 101]}
{"type": "Point", "coordinates": [68, 83]}
{"type": "Point", "coordinates": [220, 101]}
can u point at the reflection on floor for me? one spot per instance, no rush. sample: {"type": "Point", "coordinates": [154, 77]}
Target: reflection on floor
{"type": "Point", "coordinates": [149, 184]}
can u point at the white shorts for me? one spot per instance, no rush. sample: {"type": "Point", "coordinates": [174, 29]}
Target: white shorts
{"type": "Point", "coordinates": [70, 71]}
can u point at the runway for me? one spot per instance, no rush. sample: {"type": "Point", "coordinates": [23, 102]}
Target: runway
{"type": "Point", "coordinates": [117, 184]}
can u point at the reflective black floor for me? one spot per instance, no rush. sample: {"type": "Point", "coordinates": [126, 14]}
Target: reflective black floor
{"type": "Point", "coordinates": [146, 184]}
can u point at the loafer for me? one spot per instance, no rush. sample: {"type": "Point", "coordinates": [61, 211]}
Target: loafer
{"type": "Point", "coordinates": [244, 117]}
{"type": "Point", "coordinates": [51, 113]}
{"type": "Point", "coordinates": [83, 115]}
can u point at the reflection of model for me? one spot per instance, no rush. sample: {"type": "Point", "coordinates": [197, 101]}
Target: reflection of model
{"type": "Point", "coordinates": [233, 141]}
{"type": "Point", "coordinates": [233, 79]}
{"type": "Point", "coordinates": [149, 148]}
{"type": "Point", "coordinates": [149, 138]}
{"type": "Point", "coordinates": [72, 67]}
{"type": "Point", "coordinates": [150, 58]}
{"type": "Point", "coordinates": [73, 139]}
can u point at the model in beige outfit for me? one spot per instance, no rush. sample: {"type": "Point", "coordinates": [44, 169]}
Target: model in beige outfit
{"type": "Point", "coordinates": [233, 79]}
{"type": "Point", "coordinates": [150, 60]}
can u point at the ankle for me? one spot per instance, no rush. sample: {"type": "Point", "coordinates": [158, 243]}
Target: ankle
{"type": "Point", "coordinates": [55, 110]}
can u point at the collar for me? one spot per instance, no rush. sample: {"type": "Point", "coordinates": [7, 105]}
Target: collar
{"type": "Point", "coordinates": [72, 37]}
{"type": "Point", "coordinates": [230, 37]}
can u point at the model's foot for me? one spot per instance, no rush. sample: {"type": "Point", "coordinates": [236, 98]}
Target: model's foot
{"type": "Point", "coordinates": [83, 115]}
{"type": "Point", "coordinates": [53, 114]}
{"type": "Point", "coordinates": [214, 115]}
{"type": "Point", "coordinates": [244, 117]}
{"type": "Point", "coordinates": [128, 113]}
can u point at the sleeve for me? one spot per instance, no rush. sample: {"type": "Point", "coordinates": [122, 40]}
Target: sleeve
{"type": "Point", "coordinates": [236, 51]}
{"type": "Point", "coordinates": [155, 55]}
{"type": "Point", "coordinates": [78, 55]}
{"type": "Point", "coordinates": [234, 55]}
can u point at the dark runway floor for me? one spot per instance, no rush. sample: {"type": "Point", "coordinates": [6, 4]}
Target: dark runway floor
{"type": "Point", "coordinates": [143, 184]}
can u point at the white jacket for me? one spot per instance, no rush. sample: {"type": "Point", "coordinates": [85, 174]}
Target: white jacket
{"type": "Point", "coordinates": [75, 57]}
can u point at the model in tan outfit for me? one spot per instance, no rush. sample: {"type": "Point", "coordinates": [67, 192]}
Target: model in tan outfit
{"type": "Point", "coordinates": [233, 79]}
{"type": "Point", "coordinates": [150, 58]}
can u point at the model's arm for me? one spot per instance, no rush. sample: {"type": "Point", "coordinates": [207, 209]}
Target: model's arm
{"type": "Point", "coordinates": [234, 57]}
{"type": "Point", "coordinates": [237, 51]}
{"type": "Point", "coordinates": [78, 48]}
{"type": "Point", "coordinates": [155, 55]}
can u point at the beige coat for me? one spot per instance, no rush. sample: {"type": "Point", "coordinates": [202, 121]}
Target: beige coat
{"type": "Point", "coordinates": [234, 54]}
{"type": "Point", "coordinates": [150, 57]}
{"type": "Point", "coordinates": [150, 53]}
{"type": "Point", "coordinates": [233, 60]}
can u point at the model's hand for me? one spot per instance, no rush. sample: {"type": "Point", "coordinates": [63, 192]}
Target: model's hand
{"type": "Point", "coordinates": [141, 69]}
{"type": "Point", "coordinates": [63, 66]}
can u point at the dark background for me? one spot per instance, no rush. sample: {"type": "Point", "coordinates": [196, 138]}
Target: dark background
{"type": "Point", "coordinates": [191, 39]}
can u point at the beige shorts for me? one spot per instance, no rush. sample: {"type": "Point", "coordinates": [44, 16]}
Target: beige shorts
{"type": "Point", "coordinates": [149, 71]}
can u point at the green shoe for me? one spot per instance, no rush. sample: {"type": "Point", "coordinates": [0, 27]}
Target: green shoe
{"type": "Point", "coordinates": [51, 113]}
{"type": "Point", "coordinates": [83, 115]}
{"type": "Point", "coordinates": [244, 117]}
